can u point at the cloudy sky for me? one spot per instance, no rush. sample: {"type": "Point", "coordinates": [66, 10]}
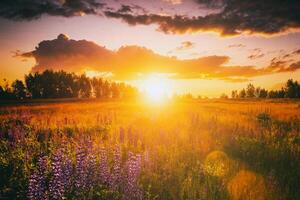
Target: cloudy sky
{"type": "Point", "coordinates": [202, 46]}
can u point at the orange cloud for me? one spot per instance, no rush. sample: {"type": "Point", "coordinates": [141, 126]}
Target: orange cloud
{"type": "Point", "coordinates": [129, 62]}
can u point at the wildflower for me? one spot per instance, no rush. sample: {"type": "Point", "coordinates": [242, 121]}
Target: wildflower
{"type": "Point", "coordinates": [81, 175]}
{"type": "Point", "coordinates": [56, 185]}
{"type": "Point", "coordinates": [91, 166]}
{"type": "Point", "coordinates": [67, 169]}
{"type": "Point", "coordinates": [116, 170]}
{"type": "Point", "coordinates": [132, 171]}
{"type": "Point", "coordinates": [103, 167]}
{"type": "Point", "coordinates": [37, 181]}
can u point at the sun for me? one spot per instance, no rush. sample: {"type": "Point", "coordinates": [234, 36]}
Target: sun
{"type": "Point", "coordinates": [156, 88]}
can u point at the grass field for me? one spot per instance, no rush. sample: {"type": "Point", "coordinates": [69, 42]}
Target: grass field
{"type": "Point", "coordinates": [206, 149]}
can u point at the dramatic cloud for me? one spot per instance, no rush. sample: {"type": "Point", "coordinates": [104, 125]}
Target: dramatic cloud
{"type": "Point", "coordinates": [235, 17]}
{"type": "Point", "coordinates": [32, 9]}
{"type": "Point", "coordinates": [129, 62]}
{"type": "Point", "coordinates": [227, 17]}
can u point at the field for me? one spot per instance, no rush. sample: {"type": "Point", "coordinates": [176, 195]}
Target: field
{"type": "Point", "coordinates": [197, 149]}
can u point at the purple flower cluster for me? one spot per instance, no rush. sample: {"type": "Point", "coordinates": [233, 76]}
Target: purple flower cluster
{"type": "Point", "coordinates": [37, 181]}
{"type": "Point", "coordinates": [132, 170]}
{"type": "Point", "coordinates": [104, 174]}
{"type": "Point", "coordinates": [61, 179]}
{"type": "Point", "coordinates": [87, 172]}
{"type": "Point", "coordinates": [92, 172]}
{"type": "Point", "coordinates": [115, 175]}
{"type": "Point", "coordinates": [67, 169]}
{"type": "Point", "coordinates": [81, 169]}
{"type": "Point", "coordinates": [56, 185]}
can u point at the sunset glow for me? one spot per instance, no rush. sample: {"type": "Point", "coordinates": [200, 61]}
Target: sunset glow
{"type": "Point", "coordinates": [156, 88]}
{"type": "Point", "coordinates": [119, 40]}
{"type": "Point", "coordinates": [150, 99]}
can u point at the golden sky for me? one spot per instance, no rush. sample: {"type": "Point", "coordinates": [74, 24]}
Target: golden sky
{"type": "Point", "coordinates": [202, 47]}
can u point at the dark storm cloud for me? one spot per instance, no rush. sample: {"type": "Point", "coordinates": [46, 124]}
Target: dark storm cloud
{"type": "Point", "coordinates": [235, 17]}
{"type": "Point", "coordinates": [231, 17]}
{"type": "Point", "coordinates": [32, 9]}
{"type": "Point", "coordinates": [128, 62]}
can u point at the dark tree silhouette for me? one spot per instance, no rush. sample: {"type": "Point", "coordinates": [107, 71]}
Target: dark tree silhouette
{"type": "Point", "coordinates": [290, 90]}
{"type": "Point", "coordinates": [19, 89]}
{"type": "Point", "coordinates": [234, 94]}
{"type": "Point", "coordinates": [250, 91]}
{"type": "Point", "coordinates": [6, 91]}
{"type": "Point", "coordinates": [84, 86]}
{"type": "Point", "coordinates": [60, 84]}
{"type": "Point", "coordinates": [242, 93]}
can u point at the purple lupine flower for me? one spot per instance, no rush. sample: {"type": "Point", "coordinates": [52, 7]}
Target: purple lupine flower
{"type": "Point", "coordinates": [67, 169]}
{"type": "Point", "coordinates": [132, 170]}
{"type": "Point", "coordinates": [103, 167]}
{"type": "Point", "coordinates": [91, 163]}
{"type": "Point", "coordinates": [37, 181]}
{"type": "Point", "coordinates": [81, 168]}
{"type": "Point", "coordinates": [56, 185]}
{"type": "Point", "coordinates": [116, 169]}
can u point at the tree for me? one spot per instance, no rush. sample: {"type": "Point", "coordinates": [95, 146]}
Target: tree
{"type": "Point", "coordinates": [276, 94]}
{"type": "Point", "coordinates": [224, 96]}
{"type": "Point", "coordinates": [263, 93]}
{"type": "Point", "coordinates": [242, 93]}
{"type": "Point", "coordinates": [291, 89]}
{"type": "Point", "coordinates": [1, 92]}
{"type": "Point", "coordinates": [234, 94]}
{"type": "Point", "coordinates": [33, 85]}
{"type": "Point", "coordinates": [6, 91]}
{"type": "Point", "coordinates": [260, 92]}
{"type": "Point", "coordinates": [106, 90]}
{"type": "Point", "coordinates": [115, 91]}
{"type": "Point", "coordinates": [19, 89]}
{"type": "Point", "coordinates": [84, 86]}
{"type": "Point", "coordinates": [97, 84]}
{"type": "Point", "coordinates": [60, 84]}
{"type": "Point", "coordinates": [250, 91]}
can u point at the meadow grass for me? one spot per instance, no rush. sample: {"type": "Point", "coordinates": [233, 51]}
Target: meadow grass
{"type": "Point", "coordinates": [207, 149]}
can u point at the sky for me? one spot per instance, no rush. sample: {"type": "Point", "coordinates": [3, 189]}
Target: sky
{"type": "Point", "coordinates": [205, 47]}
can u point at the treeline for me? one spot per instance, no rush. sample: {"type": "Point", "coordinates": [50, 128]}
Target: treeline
{"type": "Point", "coordinates": [290, 90]}
{"type": "Point", "coordinates": [60, 84]}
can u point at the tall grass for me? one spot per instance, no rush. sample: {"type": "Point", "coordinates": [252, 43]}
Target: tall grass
{"type": "Point", "coordinates": [124, 150]}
